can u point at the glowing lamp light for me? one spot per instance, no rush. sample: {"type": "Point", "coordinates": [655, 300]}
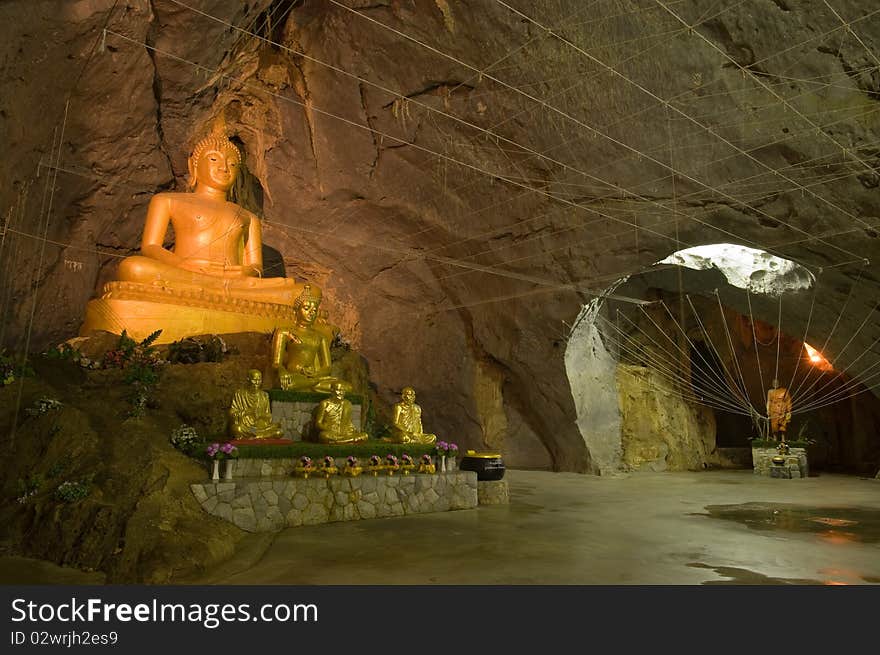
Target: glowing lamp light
{"type": "Point", "coordinates": [816, 358]}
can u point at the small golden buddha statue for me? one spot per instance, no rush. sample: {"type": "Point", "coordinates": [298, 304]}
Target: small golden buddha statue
{"type": "Point", "coordinates": [211, 280]}
{"type": "Point", "coordinates": [333, 419]}
{"type": "Point", "coordinates": [301, 353]}
{"type": "Point", "coordinates": [249, 415]}
{"type": "Point", "coordinates": [407, 421]}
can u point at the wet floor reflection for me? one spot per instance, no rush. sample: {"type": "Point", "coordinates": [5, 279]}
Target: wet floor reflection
{"type": "Point", "coordinates": [834, 525]}
{"type": "Point", "coordinates": [737, 576]}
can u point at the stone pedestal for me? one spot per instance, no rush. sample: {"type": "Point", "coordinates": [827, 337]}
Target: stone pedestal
{"type": "Point", "coordinates": [265, 505]}
{"type": "Point", "coordinates": [493, 492]}
{"type": "Point", "coordinates": [294, 411]}
{"type": "Point", "coordinates": [140, 309]}
{"type": "Point", "coordinates": [795, 466]}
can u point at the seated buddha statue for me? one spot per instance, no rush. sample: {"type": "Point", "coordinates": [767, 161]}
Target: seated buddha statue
{"type": "Point", "coordinates": [301, 353]}
{"type": "Point", "coordinates": [407, 421]}
{"type": "Point", "coordinates": [249, 415]}
{"type": "Point", "coordinates": [333, 419]}
{"type": "Point", "coordinates": [215, 263]}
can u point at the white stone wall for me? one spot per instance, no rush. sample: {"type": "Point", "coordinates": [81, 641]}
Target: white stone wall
{"type": "Point", "coordinates": [267, 505]}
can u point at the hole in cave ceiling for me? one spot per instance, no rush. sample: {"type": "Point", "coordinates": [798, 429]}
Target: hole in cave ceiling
{"type": "Point", "coordinates": [746, 268]}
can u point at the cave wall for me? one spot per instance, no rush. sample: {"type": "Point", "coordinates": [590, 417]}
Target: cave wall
{"type": "Point", "coordinates": [445, 252]}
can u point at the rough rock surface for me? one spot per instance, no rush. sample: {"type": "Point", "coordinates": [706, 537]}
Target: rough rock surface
{"type": "Point", "coordinates": [446, 251]}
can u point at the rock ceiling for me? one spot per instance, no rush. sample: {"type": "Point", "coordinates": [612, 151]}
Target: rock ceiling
{"type": "Point", "coordinates": [459, 176]}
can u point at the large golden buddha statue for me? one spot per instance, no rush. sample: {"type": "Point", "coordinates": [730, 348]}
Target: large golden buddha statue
{"type": "Point", "coordinates": [211, 280]}
{"type": "Point", "coordinates": [333, 419]}
{"type": "Point", "coordinates": [301, 353]}
{"type": "Point", "coordinates": [250, 416]}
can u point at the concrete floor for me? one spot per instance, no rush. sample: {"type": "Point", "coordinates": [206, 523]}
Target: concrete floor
{"type": "Point", "coordinates": [716, 527]}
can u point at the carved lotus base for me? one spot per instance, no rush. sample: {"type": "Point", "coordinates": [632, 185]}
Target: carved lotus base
{"type": "Point", "coordinates": [140, 310]}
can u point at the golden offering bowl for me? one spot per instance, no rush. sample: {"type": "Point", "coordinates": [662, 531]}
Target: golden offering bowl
{"type": "Point", "coordinates": [406, 468]}
{"type": "Point", "coordinates": [303, 472]}
{"type": "Point", "coordinates": [352, 471]}
{"type": "Point", "coordinates": [779, 460]}
{"type": "Point", "coordinates": [427, 468]}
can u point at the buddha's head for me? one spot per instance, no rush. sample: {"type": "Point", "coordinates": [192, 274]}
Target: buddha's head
{"type": "Point", "coordinates": [305, 307]}
{"type": "Point", "coordinates": [408, 395]}
{"type": "Point", "coordinates": [255, 379]}
{"type": "Point", "coordinates": [214, 163]}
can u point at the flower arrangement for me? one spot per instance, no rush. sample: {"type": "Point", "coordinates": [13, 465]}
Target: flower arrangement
{"type": "Point", "coordinates": [328, 466]}
{"type": "Point", "coordinates": [217, 452]}
{"type": "Point", "coordinates": [352, 467]}
{"type": "Point", "coordinates": [375, 464]}
{"type": "Point", "coordinates": [441, 448]}
{"type": "Point", "coordinates": [426, 464]}
{"type": "Point", "coordinates": [184, 438]}
{"type": "Point", "coordinates": [451, 449]}
{"type": "Point", "coordinates": [406, 463]}
{"type": "Point", "coordinates": [304, 466]}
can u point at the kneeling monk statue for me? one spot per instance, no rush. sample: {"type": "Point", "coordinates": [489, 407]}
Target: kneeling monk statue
{"type": "Point", "coordinates": [249, 415]}
{"type": "Point", "coordinates": [333, 419]}
{"type": "Point", "coordinates": [407, 421]}
{"type": "Point", "coordinates": [215, 264]}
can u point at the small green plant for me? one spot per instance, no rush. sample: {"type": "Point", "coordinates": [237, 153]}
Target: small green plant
{"type": "Point", "coordinates": [67, 353]}
{"type": "Point", "coordinates": [29, 486]}
{"type": "Point", "coordinates": [10, 370]}
{"type": "Point", "coordinates": [185, 439]}
{"type": "Point", "coordinates": [72, 491]}
{"type": "Point", "coordinates": [142, 364]}
{"type": "Point", "coordinates": [57, 468]}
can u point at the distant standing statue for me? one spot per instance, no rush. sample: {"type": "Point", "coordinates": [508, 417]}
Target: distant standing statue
{"type": "Point", "coordinates": [407, 421]}
{"type": "Point", "coordinates": [250, 416]}
{"type": "Point", "coordinates": [778, 410]}
{"type": "Point", "coordinates": [333, 419]}
{"type": "Point", "coordinates": [301, 353]}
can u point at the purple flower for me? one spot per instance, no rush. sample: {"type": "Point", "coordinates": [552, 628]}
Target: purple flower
{"type": "Point", "coordinates": [212, 450]}
{"type": "Point", "coordinates": [228, 448]}
{"type": "Point", "coordinates": [453, 448]}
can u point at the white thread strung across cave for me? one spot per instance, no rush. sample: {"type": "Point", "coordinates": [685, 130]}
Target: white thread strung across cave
{"type": "Point", "coordinates": [590, 128]}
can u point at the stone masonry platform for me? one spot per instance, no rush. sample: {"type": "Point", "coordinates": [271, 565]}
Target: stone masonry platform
{"type": "Point", "coordinates": [261, 505]}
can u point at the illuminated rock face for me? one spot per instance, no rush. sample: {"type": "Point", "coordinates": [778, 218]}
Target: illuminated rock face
{"type": "Point", "coordinates": [311, 174]}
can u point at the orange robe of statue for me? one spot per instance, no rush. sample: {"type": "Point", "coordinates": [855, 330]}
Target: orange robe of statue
{"type": "Point", "coordinates": [778, 409]}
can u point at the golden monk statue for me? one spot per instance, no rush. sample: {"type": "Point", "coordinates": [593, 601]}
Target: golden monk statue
{"type": "Point", "coordinates": [249, 415]}
{"type": "Point", "coordinates": [215, 263]}
{"type": "Point", "coordinates": [333, 419]}
{"type": "Point", "coordinates": [301, 354]}
{"type": "Point", "coordinates": [778, 409]}
{"type": "Point", "coordinates": [407, 421]}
